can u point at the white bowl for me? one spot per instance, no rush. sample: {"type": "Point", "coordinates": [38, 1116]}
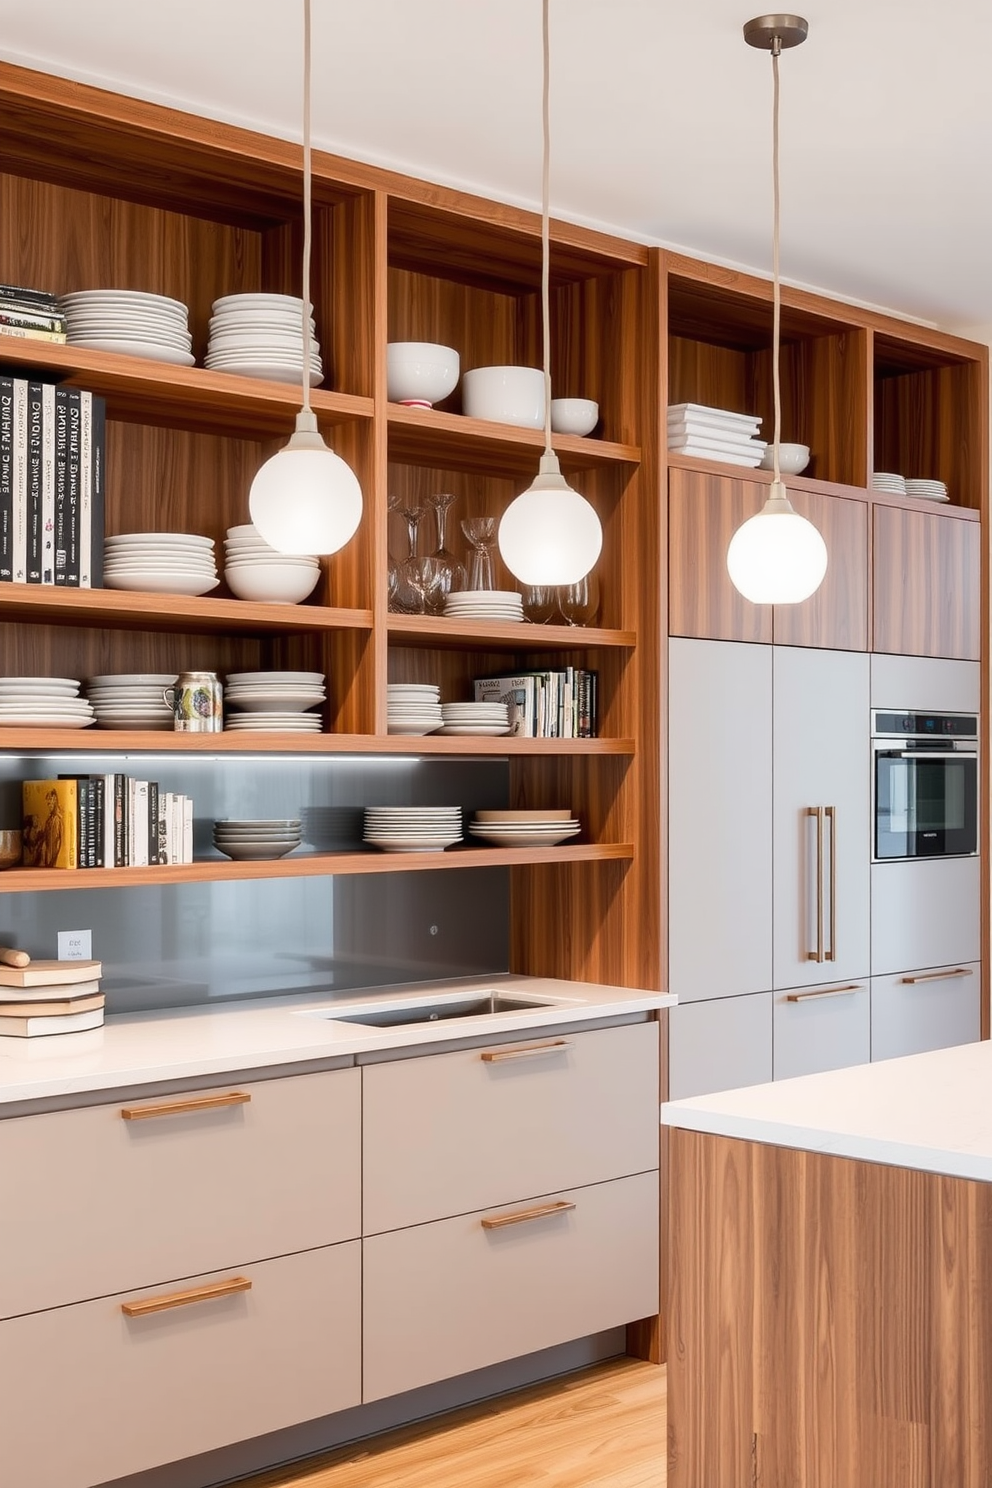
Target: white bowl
{"type": "Point", "coordinates": [420, 373]}
{"type": "Point", "coordinates": [505, 395]}
{"type": "Point", "coordinates": [574, 415]}
{"type": "Point", "coordinates": [271, 583]}
{"type": "Point", "coordinates": [792, 459]}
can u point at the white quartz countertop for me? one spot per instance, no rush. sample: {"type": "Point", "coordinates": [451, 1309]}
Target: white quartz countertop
{"type": "Point", "coordinates": [931, 1112]}
{"type": "Point", "coordinates": [182, 1043]}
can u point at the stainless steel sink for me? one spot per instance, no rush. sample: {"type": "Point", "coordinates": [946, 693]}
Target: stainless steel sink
{"type": "Point", "coordinates": [437, 1012]}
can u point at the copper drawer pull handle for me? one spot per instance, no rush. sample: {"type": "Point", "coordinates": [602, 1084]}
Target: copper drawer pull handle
{"type": "Point", "coordinates": [830, 992]}
{"type": "Point", "coordinates": [186, 1103]}
{"type": "Point", "coordinates": [818, 814]}
{"type": "Point", "coordinates": [496, 1056]}
{"type": "Point", "coordinates": [938, 976]}
{"type": "Point", "coordinates": [184, 1299]}
{"type": "Point", "coordinates": [831, 814]}
{"type": "Point", "coordinates": [523, 1216]}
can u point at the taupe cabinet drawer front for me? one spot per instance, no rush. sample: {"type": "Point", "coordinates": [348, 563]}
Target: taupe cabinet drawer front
{"type": "Point", "coordinates": [921, 1010]}
{"type": "Point", "coordinates": [106, 1395]}
{"type": "Point", "coordinates": [444, 1298]}
{"type": "Point", "coordinates": [456, 1132]}
{"type": "Point", "coordinates": [821, 1028]}
{"type": "Point", "coordinates": [95, 1204]}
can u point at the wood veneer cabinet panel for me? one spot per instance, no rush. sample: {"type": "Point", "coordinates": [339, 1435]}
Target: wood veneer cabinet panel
{"type": "Point", "coordinates": [831, 1321]}
{"type": "Point", "coordinates": [836, 616]}
{"type": "Point", "coordinates": [704, 512]}
{"type": "Point", "coordinates": [926, 584]}
{"type": "Point", "coordinates": [929, 419]}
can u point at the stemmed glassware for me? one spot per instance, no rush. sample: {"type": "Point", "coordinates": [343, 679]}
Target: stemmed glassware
{"type": "Point", "coordinates": [576, 604]}
{"type": "Point", "coordinates": [403, 594]}
{"type": "Point", "coordinates": [481, 533]}
{"type": "Point", "coordinates": [451, 569]}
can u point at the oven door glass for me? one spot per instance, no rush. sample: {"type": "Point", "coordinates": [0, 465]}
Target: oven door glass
{"type": "Point", "coordinates": [926, 806]}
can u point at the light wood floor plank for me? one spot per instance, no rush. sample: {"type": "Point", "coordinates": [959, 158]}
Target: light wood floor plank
{"type": "Point", "coordinates": [602, 1428]}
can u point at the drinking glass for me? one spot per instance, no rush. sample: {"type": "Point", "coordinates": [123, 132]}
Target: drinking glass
{"type": "Point", "coordinates": [403, 596]}
{"type": "Point", "coordinates": [481, 533]}
{"type": "Point", "coordinates": [452, 570]}
{"type": "Point", "coordinates": [579, 603]}
{"type": "Point", "coordinates": [540, 603]}
{"type": "Point", "coordinates": [425, 577]}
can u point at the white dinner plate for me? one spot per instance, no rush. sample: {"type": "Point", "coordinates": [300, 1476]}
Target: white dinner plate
{"type": "Point", "coordinates": [28, 720]}
{"type": "Point", "coordinates": [523, 838]}
{"type": "Point", "coordinates": [123, 296]}
{"type": "Point", "coordinates": [162, 584]}
{"type": "Point", "coordinates": [153, 351]}
{"type": "Point", "coordinates": [468, 730]}
{"type": "Point", "coordinates": [264, 372]}
{"type": "Point", "coordinates": [54, 686]}
{"type": "Point", "coordinates": [256, 851]}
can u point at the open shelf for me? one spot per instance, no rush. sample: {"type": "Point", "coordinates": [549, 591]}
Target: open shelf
{"type": "Point", "coordinates": [441, 634]}
{"type": "Point", "coordinates": [429, 436]}
{"type": "Point", "coordinates": [127, 741]}
{"type": "Point", "coordinates": [124, 608]}
{"type": "Point", "coordinates": [312, 865]}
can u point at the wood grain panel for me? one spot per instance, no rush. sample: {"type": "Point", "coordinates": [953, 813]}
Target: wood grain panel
{"type": "Point", "coordinates": [929, 425]}
{"type": "Point", "coordinates": [824, 402]}
{"type": "Point", "coordinates": [482, 325]}
{"type": "Point", "coordinates": [856, 1298]}
{"type": "Point", "coordinates": [704, 512]}
{"type": "Point", "coordinates": [701, 372]}
{"type": "Point", "coordinates": [836, 615]}
{"type": "Point", "coordinates": [926, 584]}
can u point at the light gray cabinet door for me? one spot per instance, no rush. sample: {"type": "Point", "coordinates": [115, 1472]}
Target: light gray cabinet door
{"type": "Point", "coordinates": [926, 684]}
{"type": "Point", "coordinates": [920, 1010]}
{"type": "Point", "coordinates": [822, 816]}
{"type": "Point", "coordinates": [821, 1028]}
{"type": "Point", "coordinates": [925, 913]}
{"type": "Point", "coordinates": [722, 1044]}
{"type": "Point", "coordinates": [720, 815]}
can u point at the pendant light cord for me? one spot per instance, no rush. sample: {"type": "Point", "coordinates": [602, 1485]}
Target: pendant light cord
{"type": "Point", "coordinates": [776, 286]}
{"type": "Point", "coordinates": [305, 288]}
{"type": "Point", "coordinates": [546, 227]}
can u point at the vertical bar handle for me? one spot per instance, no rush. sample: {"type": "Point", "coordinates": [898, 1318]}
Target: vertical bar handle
{"type": "Point", "coordinates": [818, 813]}
{"type": "Point", "coordinates": [831, 813]}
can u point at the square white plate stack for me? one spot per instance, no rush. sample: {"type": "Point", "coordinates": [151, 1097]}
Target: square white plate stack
{"type": "Point", "coordinates": [274, 702]}
{"type": "Point", "coordinates": [475, 718]}
{"type": "Point", "coordinates": [413, 828]}
{"type": "Point", "coordinates": [43, 702]}
{"type": "Point", "coordinates": [160, 562]}
{"type": "Point", "coordinates": [261, 335]}
{"type": "Point", "coordinates": [930, 490]}
{"type": "Point", "coordinates": [131, 700]}
{"type": "Point", "coordinates": [887, 480]}
{"type": "Point", "coordinates": [413, 708]}
{"type": "Point", "coordinates": [485, 604]}
{"type": "Point", "coordinates": [715, 434]}
{"type": "Point", "coordinates": [130, 322]}
{"type": "Point", "coordinates": [257, 840]}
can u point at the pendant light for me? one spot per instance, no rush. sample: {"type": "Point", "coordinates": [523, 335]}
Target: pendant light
{"type": "Point", "coordinates": [306, 499]}
{"type": "Point", "coordinates": [549, 534]}
{"type": "Point", "coordinates": [777, 557]}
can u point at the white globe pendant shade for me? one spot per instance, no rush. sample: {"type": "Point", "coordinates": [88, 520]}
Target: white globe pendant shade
{"type": "Point", "coordinates": [777, 557]}
{"type": "Point", "coordinates": [306, 499]}
{"type": "Point", "coordinates": [549, 534]}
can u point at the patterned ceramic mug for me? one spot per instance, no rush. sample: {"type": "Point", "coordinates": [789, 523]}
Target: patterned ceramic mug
{"type": "Point", "coordinates": [197, 703]}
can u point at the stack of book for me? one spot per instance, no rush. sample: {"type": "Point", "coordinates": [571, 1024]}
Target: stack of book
{"type": "Point", "coordinates": [545, 704]}
{"type": "Point", "coordinates": [104, 821]}
{"type": "Point", "coordinates": [46, 997]}
{"type": "Point", "coordinates": [31, 314]}
{"type": "Point", "coordinates": [52, 463]}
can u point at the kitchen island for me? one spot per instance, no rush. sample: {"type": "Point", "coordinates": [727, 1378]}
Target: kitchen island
{"type": "Point", "coordinates": [830, 1279]}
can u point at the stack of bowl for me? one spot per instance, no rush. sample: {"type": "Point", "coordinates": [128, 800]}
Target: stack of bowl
{"type": "Point", "coordinates": [266, 838]}
{"type": "Point", "coordinates": [253, 570]}
{"type": "Point", "coordinates": [279, 702]}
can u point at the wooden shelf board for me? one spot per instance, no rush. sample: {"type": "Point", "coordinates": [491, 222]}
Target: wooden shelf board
{"type": "Point", "coordinates": [441, 634]}
{"type": "Point", "coordinates": [428, 436]}
{"type": "Point", "coordinates": [310, 865]}
{"type": "Point", "coordinates": [134, 741]}
{"type": "Point", "coordinates": [124, 608]}
{"type": "Point", "coordinates": [138, 389]}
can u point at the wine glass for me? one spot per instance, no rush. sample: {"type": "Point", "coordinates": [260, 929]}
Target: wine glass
{"type": "Point", "coordinates": [452, 570]}
{"type": "Point", "coordinates": [425, 577]}
{"type": "Point", "coordinates": [481, 533]}
{"type": "Point", "coordinates": [402, 593]}
{"type": "Point", "coordinates": [540, 602]}
{"type": "Point", "coordinates": [579, 603]}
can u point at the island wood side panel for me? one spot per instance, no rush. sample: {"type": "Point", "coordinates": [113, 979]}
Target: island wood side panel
{"type": "Point", "coordinates": [830, 1322]}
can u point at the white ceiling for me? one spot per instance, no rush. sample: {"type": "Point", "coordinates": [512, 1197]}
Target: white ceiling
{"type": "Point", "coordinates": [660, 116]}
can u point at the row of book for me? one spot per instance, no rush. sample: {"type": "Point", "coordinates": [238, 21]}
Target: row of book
{"type": "Point", "coordinates": [104, 821]}
{"type": "Point", "coordinates": [52, 492]}
{"type": "Point", "coordinates": [545, 704]}
{"type": "Point", "coordinates": [46, 997]}
{"type": "Point", "coordinates": [31, 314]}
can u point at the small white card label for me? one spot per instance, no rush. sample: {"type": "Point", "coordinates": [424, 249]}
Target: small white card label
{"type": "Point", "coordinates": [75, 945]}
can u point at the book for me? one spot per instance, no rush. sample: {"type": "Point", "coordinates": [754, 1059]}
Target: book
{"type": "Point", "coordinates": [50, 973]}
{"type": "Point", "coordinates": [35, 475]}
{"type": "Point", "coordinates": [152, 822]}
{"type": "Point", "coordinates": [6, 479]}
{"type": "Point", "coordinates": [33, 333]}
{"type": "Point", "coordinates": [65, 1023]}
{"type": "Point", "coordinates": [186, 855]}
{"type": "Point", "coordinates": [85, 487]}
{"type": "Point", "coordinates": [520, 695]}
{"type": "Point", "coordinates": [72, 489]}
{"type": "Point", "coordinates": [69, 992]}
{"type": "Point", "coordinates": [17, 293]}
{"type": "Point", "coordinates": [90, 792]}
{"type": "Point", "coordinates": [19, 555]}
{"type": "Point", "coordinates": [14, 316]}
{"type": "Point", "coordinates": [43, 1008]}
{"type": "Point", "coordinates": [59, 511]}
{"type": "Point", "coordinates": [49, 830]}
{"type": "Point", "coordinates": [98, 461]}
{"type": "Point", "coordinates": [48, 483]}
{"type": "Point", "coordinates": [120, 854]}
{"type": "Point", "coordinates": [139, 823]}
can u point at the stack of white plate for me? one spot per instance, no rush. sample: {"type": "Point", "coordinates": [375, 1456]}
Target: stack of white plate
{"type": "Point", "coordinates": [253, 570]}
{"type": "Point", "coordinates": [261, 335]}
{"type": "Point", "coordinates": [524, 828]}
{"type": "Point", "coordinates": [274, 702]}
{"type": "Point", "coordinates": [160, 562]}
{"type": "Point", "coordinates": [131, 322]}
{"type": "Point", "coordinates": [44, 702]}
{"type": "Point", "coordinates": [930, 490]}
{"type": "Point", "coordinates": [885, 480]}
{"type": "Point", "coordinates": [475, 718]}
{"type": "Point", "coordinates": [131, 700]}
{"type": "Point", "coordinates": [413, 708]}
{"type": "Point", "coordinates": [268, 838]}
{"type": "Point", "coordinates": [413, 828]}
{"type": "Point", "coordinates": [715, 434]}
{"type": "Point", "coordinates": [485, 604]}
